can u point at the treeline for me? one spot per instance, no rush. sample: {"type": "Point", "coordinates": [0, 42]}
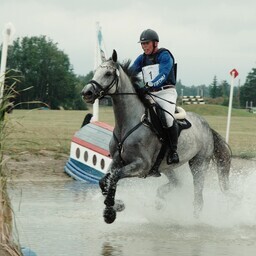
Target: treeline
{"type": "Point", "coordinates": [45, 74]}
{"type": "Point", "coordinates": [215, 93]}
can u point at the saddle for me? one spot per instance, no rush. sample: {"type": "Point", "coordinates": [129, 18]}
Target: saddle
{"type": "Point", "coordinates": [157, 123]}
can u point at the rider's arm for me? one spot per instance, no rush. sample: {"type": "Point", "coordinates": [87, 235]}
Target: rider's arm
{"type": "Point", "coordinates": [165, 66]}
{"type": "Point", "coordinates": [137, 65]}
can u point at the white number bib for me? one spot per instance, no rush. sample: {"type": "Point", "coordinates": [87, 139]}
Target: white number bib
{"type": "Point", "coordinates": [150, 72]}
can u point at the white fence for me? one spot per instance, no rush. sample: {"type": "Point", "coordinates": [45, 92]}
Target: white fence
{"type": "Point", "coordinates": [192, 100]}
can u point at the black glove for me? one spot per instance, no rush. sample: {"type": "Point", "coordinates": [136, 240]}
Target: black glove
{"type": "Point", "coordinates": [144, 90]}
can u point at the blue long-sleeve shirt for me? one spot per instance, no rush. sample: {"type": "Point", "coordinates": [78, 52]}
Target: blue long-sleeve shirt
{"type": "Point", "coordinates": [165, 62]}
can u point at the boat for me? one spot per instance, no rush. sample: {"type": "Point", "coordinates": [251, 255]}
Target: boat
{"type": "Point", "coordinates": [89, 152]}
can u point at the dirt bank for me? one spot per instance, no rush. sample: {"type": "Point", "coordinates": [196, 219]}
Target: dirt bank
{"type": "Point", "coordinates": [47, 165]}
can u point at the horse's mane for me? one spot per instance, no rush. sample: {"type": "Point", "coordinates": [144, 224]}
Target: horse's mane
{"type": "Point", "coordinates": [134, 78]}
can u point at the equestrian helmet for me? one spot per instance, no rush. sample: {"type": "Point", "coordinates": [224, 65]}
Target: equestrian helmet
{"type": "Point", "coordinates": [148, 35]}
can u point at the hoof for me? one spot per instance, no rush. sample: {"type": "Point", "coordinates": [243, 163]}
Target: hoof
{"type": "Point", "coordinates": [197, 212]}
{"type": "Point", "coordinates": [119, 206]}
{"type": "Point", "coordinates": [109, 215]}
{"type": "Point", "coordinates": [196, 215]}
{"type": "Point", "coordinates": [160, 204]}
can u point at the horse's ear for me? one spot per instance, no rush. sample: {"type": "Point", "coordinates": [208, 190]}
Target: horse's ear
{"type": "Point", "coordinates": [114, 56]}
{"type": "Point", "coordinates": [102, 56]}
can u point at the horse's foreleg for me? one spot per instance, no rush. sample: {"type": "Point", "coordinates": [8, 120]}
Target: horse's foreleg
{"type": "Point", "coordinates": [129, 170]}
{"type": "Point", "coordinates": [104, 184]}
{"type": "Point", "coordinates": [108, 190]}
{"type": "Point", "coordinates": [105, 180]}
{"type": "Point", "coordinates": [110, 212]}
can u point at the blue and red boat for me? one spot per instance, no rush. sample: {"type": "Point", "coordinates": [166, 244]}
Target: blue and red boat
{"type": "Point", "coordinates": [89, 152]}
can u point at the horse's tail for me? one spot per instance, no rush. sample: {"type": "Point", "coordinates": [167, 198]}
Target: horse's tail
{"type": "Point", "coordinates": [222, 157]}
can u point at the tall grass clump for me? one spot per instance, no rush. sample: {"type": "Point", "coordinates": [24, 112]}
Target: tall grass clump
{"type": "Point", "coordinates": [8, 247]}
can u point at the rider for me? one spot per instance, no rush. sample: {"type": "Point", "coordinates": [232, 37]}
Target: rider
{"type": "Point", "coordinates": [158, 71]}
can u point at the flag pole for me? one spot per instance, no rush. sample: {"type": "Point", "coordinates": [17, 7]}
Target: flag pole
{"type": "Point", "coordinates": [7, 34]}
{"type": "Point", "coordinates": [100, 56]}
{"type": "Point", "coordinates": [95, 109]}
{"type": "Point", "coordinates": [233, 74]}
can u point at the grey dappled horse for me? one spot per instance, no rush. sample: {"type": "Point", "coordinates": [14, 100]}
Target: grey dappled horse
{"type": "Point", "coordinates": [134, 147]}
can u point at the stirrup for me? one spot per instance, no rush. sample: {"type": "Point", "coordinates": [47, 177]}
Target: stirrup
{"type": "Point", "coordinates": [154, 172]}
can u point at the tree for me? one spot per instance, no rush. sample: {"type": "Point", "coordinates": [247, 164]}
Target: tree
{"type": "Point", "coordinates": [215, 89]}
{"type": "Point", "coordinates": [248, 90]}
{"type": "Point", "coordinates": [82, 81]}
{"type": "Point", "coordinates": [224, 87]}
{"type": "Point", "coordinates": [46, 69]}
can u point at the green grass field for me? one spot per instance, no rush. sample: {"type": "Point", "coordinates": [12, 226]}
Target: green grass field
{"type": "Point", "coordinates": [36, 130]}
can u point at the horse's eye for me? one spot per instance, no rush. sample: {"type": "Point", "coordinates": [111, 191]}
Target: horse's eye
{"type": "Point", "coordinates": [108, 73]}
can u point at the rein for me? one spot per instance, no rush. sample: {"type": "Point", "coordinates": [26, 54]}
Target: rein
{"type": "Point", "coordinates": [120, 143]}
{"type": "Point", "coordinates": [103, 91]}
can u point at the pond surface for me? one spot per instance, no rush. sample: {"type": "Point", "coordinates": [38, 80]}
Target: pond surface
{"type": "Point", "coordinates": [64, 218]}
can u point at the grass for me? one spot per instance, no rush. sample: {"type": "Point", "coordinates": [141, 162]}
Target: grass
{"type": "Point", "coordinates": [242, 137]}
{"type": "Point", "coordinates": [38, 130]}
{"type": "Point", "coordinates": [215, 110]}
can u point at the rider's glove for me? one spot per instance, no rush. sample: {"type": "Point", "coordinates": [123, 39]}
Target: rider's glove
{"type": "Point", "coordinates": [144, 89]}
{"type": "Point", "coordinates": [149, 84]}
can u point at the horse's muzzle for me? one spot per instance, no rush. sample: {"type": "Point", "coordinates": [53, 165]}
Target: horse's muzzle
{"type": "Point", "coordinates": [88, 95]}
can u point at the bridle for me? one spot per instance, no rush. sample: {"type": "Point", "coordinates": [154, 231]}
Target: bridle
{"type": "Point", "coordinates": [103, 91]}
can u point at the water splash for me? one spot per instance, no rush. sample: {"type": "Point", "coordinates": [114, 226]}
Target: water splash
{"type": "Point", "coordinates": [236, 208]}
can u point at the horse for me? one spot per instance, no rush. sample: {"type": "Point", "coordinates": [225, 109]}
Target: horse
{"type": "Point", "coordinates": [134, 146]}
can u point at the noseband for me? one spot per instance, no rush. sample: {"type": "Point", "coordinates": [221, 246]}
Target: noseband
{"type": "Point", "coordinates": [103, 91]}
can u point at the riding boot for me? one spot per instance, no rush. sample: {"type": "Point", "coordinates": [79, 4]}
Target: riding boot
{"type": "Point", "coordinates": [172, 156]}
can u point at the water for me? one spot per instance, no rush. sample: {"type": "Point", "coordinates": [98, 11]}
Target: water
{"type": "Point", "coordinates": [62, 218]}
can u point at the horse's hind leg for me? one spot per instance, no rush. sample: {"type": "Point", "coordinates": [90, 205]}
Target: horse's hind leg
{"type": "Point", "coordinates": [198, 166]}
{"type": "Point", "coordinates": [166, 188]}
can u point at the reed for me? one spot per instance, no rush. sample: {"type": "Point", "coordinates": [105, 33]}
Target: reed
{"type": "Point", "coordinates": [8, 247]}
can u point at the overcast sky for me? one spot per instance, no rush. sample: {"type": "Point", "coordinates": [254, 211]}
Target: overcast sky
{"type": "Point", "coordinates": [207, 37]}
